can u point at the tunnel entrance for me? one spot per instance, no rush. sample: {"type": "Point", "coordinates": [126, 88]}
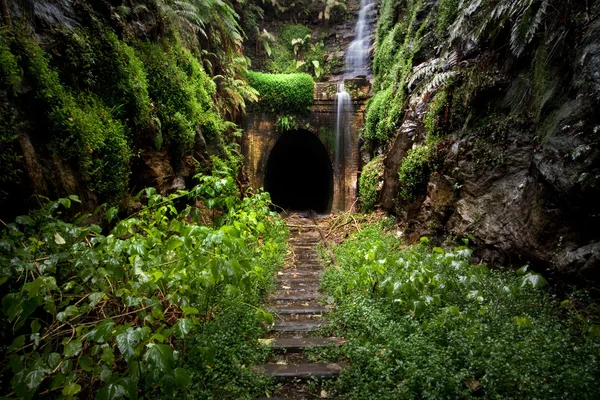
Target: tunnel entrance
{"type": "Point", "coordinates": [299, 175]}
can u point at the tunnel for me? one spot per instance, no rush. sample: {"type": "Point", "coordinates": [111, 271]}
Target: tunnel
{"type": "Point", "coordinates": [299, 174]}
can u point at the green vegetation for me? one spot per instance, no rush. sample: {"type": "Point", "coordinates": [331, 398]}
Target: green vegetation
{"type": "Point", "coordinates": [415, 170]}
{"type": "Point", "coordinates": [424, 322]}
{"type": "Point", "coordinates": [182, 92]}
{"type": "Point", "coordinates": [165, 304]}
{"type": "Point", "coordinates": [283, 93]}
{"type": "Point", "coordinates": [369, 182]}
{"type": "Point", "coordinates": [295, 51]}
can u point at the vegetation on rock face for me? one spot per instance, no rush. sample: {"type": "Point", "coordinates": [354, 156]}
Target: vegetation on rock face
{"type": "Point", "coordinates": [283, 93]}
{"type": "Point", "coordinates": [369, 183]}
{"type": "Point", "coordinates": [424, 322]}
{"type": "Point", "coordinates": [140, 311]}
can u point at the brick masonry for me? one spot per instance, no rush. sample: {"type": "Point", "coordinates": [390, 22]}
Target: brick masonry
{"type": "Point", "coordinates": [260, 136]}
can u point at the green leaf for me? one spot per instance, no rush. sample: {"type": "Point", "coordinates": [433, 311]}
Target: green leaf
{"type": "Point", "coordinates": [72, 348]}
{"type": "Point", "coordinates": [58, 239]}
{"type": "Point", "coordinates": [112, 390]}
{"type": "Point", "coordinates": [127, 342]}
{"type": "Point", "coordinates": [418, 308]}
{"type": "Point", "coordinates": [65, 202]}
{"type": "Point", "coordinates": [102, 332]}
{"type": "Point", "coordinates": [28, 380]}
{"type": "Point", "coordinates": [159, 358]}
{"type": "Point", "coordinates": [182, 328]}
{"type": "Point", "coordinates": [108, 356]}
{"type": "Point", "coordinates": [70, 311]}
{"type": "Point", "coordinates": [535, 280]}
{"type": "Point", "coordinates": [182, 377]}
{"type": "Point", "coordinates": [24, 220]}
{"type": "Point", "coordinates": [71, 389]}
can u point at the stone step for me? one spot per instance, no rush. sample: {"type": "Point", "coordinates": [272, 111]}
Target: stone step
{"type": "Point", "coordinates": [296, 345]}
{"type": "Point", "coordinates": [294, 295]}
{"type": "Point", "coordinates": [300, 287]}
{"type": "Point", "coordinates": [287, 310]}
{"type": "Point", "coordinates": [290, 273]}
{"type": "Point", "coordinates": [299, 280]}
{"type": "Point", "coordinates": [299, 326]}
{"type": "Point", "coordinates": [301, 371]}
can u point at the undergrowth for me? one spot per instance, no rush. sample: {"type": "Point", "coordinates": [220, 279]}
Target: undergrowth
{"type": "Point", "coordinates": [162, 305]}
{"type": "Point", "coordinates": [425, 323]}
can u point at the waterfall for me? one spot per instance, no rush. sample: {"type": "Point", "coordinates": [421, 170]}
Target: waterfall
{"type": "Point", "coordinates": [357, 56]}
{"type": "Point", "coordinates": [343, 104]}
{"type": "Point", "coordinates": [357, 63]}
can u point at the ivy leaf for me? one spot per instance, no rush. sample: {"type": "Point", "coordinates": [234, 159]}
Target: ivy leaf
{"type": "Point", "coordinates": [127, 342]}
{"type": "Point", "coordinates": [58, 239]}
{"type": "Point", "coordinates": [24, 220]}
{"type": "Point", "coordinates": [72, 348]}
{"type": "Point", "coordinates": [182, 377]}
{"type": "Point", "coordinates": [536, 280]}
{"type": "Point", "coordinates": [28, 380]}
{"type": "Point", "coordinates": [159, 359]}
{"type": "Point", "coordinates": [102, 332]}
{"type": "Point", "coordinates": [71, 389]}
{"type": "Point", "coordinates": [112, 390]}
{"type": "Point", "coordinates": [68, 312]}
{"type": "Point", "coordinates": [182, 328]}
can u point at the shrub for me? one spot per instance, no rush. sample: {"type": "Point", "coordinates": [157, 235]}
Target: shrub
{"type": "Point", "coordinates": [415, 170]}
{"type": "Point", "coordinates": [283, 93]}
{"type": "Point", "coordinates": [368, 185]}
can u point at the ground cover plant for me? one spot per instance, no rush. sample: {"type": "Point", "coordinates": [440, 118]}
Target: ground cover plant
{"type": "Point", "coordinates": [424, 322]}
{"type": "Point", "coordinates": [164, 304]}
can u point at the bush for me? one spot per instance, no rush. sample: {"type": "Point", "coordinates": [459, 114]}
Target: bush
{"type": "Point", "coordinates": [283, 93]}
{"type": "Point", "coordinates": [415, 170]}
{"type": "Point", "coordinates": [368, 185]}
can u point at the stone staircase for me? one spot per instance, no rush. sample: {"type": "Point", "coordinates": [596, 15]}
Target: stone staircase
{"type": "Point", "coordinates": [298, 312]}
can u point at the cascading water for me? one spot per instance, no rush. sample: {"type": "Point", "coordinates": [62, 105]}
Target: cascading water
{"type": "Point", "coordinates": [343, 104]}
{"type": "Point", "coordinates": [357, 63]}
{"type": "Point", "coordinates": [357, 56]}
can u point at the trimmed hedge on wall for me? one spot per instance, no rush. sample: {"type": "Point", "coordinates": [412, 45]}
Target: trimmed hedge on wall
{"type": "Point", "coordinates": [282, 93]}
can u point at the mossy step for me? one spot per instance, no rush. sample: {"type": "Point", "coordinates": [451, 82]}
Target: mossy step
{"type": "Point", "coordinates": [287, 310]}
{"type": "Point", "coordinates": [301, 371]}
{"type": "Point", "coordinates": [295, 295]}
{"type": "Point", "coordinates": [299, 287]}
{"type": "Point", "coordinates": [296, 345]}
{"type": "Point", "coordinates": [299, 326]}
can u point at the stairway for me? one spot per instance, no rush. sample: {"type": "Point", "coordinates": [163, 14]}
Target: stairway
{"type": "Point", "coordinates": [298, 312]}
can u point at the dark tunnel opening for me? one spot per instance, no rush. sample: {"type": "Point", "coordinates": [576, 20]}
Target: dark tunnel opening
{"type": "Point", "coordinates": [299, 174]}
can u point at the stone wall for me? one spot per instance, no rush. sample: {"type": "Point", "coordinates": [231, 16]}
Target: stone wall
{"type": "Point", "coordinates": [261, 135]}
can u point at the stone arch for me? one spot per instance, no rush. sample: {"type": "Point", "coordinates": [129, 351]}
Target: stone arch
{"type": "Point", "coordinates": [299, 172]}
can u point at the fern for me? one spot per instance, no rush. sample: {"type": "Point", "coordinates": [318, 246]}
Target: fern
{"type": "Point", "coordinates": [486, 18]}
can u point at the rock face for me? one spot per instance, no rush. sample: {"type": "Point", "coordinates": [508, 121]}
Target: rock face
{"type": "Point", "coordinates": [524, 191]}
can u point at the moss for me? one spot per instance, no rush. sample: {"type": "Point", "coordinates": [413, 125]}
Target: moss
{"type": "Point", "coordinates": [415, 170]}
{"type": "Point", "coordinates": [282, 93]}
{"type": "Point", "coordinates": [368, 184]}
{"type": "Point", "coordinates": [447, 11]}
{"type": "Point", "coordinates": [434, 113]}
{"type": "Point", "coordinates": [81, 128]}
{"type": "Point", "coordinates": [95, 60]}
{"type": "Point", "coordinates": [181, 92]}
{"type": "Point", "coordinates": [10, 78]}
{"type": "Point", "coordinates": [545, 81]}
{"type": "Point", "coordinates": [391, 67]}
